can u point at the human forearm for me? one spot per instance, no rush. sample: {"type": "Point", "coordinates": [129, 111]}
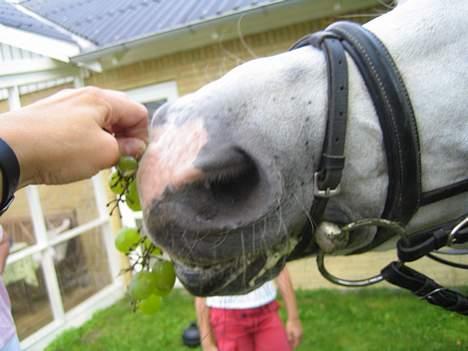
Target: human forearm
{"type": "Point", "coordinates": [293, 324]}
{"type": "Point", "coordinates": [287, 292]}
{"type": "Point", "coordinates": [203, 318]}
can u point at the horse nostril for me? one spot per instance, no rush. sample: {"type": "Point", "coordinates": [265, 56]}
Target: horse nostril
{"type": "Point", "coordinates": [222, 163]}
{"type": "Point", "coordinates": [230, 180]}
{"type": "Point", "coordinates": [233, 184]}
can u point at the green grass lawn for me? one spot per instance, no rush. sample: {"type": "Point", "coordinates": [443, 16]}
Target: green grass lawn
{"type": "Point", "coordinates": [369, 319]}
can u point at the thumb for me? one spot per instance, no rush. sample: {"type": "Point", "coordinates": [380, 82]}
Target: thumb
{"type": "Point", "coordinates": [131, 146]}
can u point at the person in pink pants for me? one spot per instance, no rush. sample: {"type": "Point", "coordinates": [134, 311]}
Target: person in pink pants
{"type": "Point", "coordinates": [250, 322]}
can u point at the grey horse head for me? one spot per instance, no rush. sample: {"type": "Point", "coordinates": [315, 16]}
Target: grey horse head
{"type": "Point", "coordinates": [226, 182]}
{"type": "Point", "coordinates": [233, 176]}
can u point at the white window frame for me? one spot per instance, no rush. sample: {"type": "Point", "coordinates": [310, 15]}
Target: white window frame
{"type": "Point", "coordinates": [148, 93]}
{"type": "Point", "coordinates": [43, 252]}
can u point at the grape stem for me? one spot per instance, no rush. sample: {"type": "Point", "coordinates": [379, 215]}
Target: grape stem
{"type": "Point", "coordinates": [114, 204]}
{"type": "Point", "coordinates": [142, 260]}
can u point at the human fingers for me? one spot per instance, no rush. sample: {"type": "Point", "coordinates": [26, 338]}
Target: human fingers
{"type": "Point", "coordinates": [293, 342]}
{"type": "Point", "coordinates": [125, 118]}
{"type": "Point", "coordinates": [296, 341]}
{"type": "Point", "coordinates": [294, 333]}
{"type": "Point", "coordinates": [115, 112]}
{"type": "Point", "coordinates": [298, 336]}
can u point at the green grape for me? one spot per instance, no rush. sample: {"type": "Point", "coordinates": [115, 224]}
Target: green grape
{"type": "Point", "coordinates": [127, 166]}
{"type": "Point", "coordinates": [126, 239]}
{"type": "Point", "coordinates": [149, 246]}
{"type": "Point", "coordinates": [116, 183]}
{"type": "Point", "coordinates": [150, 305]}
{"type": "Point", "coordinates": [142, 285]}
{"type": "Point", "coordinates": [131, 197]}
{"type": "Point", "coordinates": [164, 275]}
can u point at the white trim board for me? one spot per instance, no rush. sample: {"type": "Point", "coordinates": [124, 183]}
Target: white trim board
{"type": "Point", "coordinates": [148, 93]}
{"type": "Point", "coordinates": [39, 44]}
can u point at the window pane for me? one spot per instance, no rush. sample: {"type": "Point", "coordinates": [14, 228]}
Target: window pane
{"type": "Point", "coordinates": [152, 106]}
{"type": "Point", "coordinates": [67, 206]}
{"type": "Point", "coordinates": [25, 283]}
{"type": "Point", "coordinates": [82, 267]}
{"type": "Point", "coordinates": [17, 222]}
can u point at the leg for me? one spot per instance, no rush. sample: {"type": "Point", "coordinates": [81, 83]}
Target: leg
{"type": "Point", "coordinates": [270, 334]}
{"type": "Point", "coordinates": [231, 333]}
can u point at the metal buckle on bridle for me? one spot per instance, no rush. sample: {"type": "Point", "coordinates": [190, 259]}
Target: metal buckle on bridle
{"type": "Point", "coordinates": [452, 236]}
{"type": "Point", "coordinates": [328, 192]}
{"type": "Point", "coordinates": [378, 222]}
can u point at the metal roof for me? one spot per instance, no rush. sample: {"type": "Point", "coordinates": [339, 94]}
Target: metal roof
{"type": "Point", "coordinates": [11, 17]}
{"type": "Point", "coordinates": [109, 22]}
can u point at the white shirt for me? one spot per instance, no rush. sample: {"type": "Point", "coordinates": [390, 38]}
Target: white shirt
{"type": "Point", "coordinates": [256, 298]}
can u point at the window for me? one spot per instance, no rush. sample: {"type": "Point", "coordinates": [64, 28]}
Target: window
{"type": "Point", "coordinates": [61, 255]}
{"type": "Point", "coordinates": [152, 96]}
{"type": "Point", "coordinates": [152, 106]}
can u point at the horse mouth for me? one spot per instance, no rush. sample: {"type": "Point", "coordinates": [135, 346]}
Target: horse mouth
{"type": "Point", "coordinates": [216, 224]}
{"type": "Point", "coordinates": [237, 276]}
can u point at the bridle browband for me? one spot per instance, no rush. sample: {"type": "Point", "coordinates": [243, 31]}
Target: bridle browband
{"type": "Point", "coordinates": [400, 135]}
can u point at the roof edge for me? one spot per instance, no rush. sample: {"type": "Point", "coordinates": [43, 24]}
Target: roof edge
{"type": "Point", "coordinates": [82, 42]}
{"type": "Point", "coordinates": [319, 8]}
{"type": "Point", "coordinates": [125, 45]}
{"type": "Point", "coordinates": [37, 43]}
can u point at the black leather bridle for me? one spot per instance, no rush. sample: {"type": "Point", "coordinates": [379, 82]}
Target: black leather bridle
{"type": "Point", "coordinates": [400, 135]}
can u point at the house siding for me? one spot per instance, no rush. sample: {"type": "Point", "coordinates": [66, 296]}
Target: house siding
{"type": "Point", "coordinates": [195, 68]}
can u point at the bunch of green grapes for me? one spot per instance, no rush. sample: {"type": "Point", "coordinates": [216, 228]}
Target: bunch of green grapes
{"type": "Point", "coordinates": [122, 183]}
{"type": "Point", "coordinates": [156, 277]}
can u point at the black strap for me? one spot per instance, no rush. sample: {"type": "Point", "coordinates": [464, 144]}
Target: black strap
{"type": "Point", "coordinates": [395, 113]}
{"type": "Point", "coordinates": [404, 194]}
{"type": "Point", "coordinates": [417, 246]}
{"type": "Point", "coordinates": [332, 161]}
{"type": "Point", "coordinates": [398, 124]}
{"type": "Point", "coordinates": [10, 173]}
{"type": "Point", "coordinates": [422, 243]}
{"type": "Point", "coordinates": [330, 168]}
{"type": "Point", "coordinates": [444, 192]}
{"type": "Point", "coordinates": [400, 275]}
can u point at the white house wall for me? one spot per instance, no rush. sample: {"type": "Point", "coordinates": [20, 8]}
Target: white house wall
{"type": "Point", "coordinates": [11, 54]}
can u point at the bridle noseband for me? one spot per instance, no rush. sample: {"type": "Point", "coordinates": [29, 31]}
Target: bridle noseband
{"type": "Point", "coordinates": [401, 140]}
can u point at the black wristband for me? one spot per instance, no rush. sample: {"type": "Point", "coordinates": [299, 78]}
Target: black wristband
{"type": "Point", "coordinates": [10, 173]}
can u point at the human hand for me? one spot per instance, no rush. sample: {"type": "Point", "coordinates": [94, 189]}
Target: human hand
{"type": "Point", "coordinates": [294, 332]}
{"type": "Point", "coordinates": [74, 134]}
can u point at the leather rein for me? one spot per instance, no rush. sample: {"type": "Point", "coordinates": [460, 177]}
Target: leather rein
{"type": "Point", "coordinates": [401, 140]}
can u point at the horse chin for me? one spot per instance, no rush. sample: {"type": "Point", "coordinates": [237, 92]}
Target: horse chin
{"type": "Point", "coordinates": [238, 276]}
{"type": "Point", "coordinates": [209, 261]}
